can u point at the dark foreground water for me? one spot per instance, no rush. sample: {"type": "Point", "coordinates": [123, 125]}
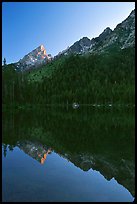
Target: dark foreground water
{"type": "Point", "coordinates": [70, 154]}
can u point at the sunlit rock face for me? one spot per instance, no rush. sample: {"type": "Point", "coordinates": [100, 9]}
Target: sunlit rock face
{"type": "Point", "coordinates": [33, 59]}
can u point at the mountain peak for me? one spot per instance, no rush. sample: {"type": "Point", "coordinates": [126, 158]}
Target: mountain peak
{"type": "Point", "coordinates": [34, 58]}
{"type": "Point", "coordinates": [105, 32]}
{"type": "Point", "coordinates": [108, 29]}
{"type": "Point", "coordinates": [42, 47]}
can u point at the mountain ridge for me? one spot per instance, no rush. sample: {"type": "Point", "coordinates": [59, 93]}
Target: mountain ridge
{"type": "Point", "coordinates": [122, 36]}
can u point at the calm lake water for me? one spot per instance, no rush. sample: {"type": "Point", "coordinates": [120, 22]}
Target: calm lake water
{"type": "Point", "coordinates": [84, 154]}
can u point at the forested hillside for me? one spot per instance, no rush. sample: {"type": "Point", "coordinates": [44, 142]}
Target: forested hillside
{"type": "Point", "coordinates": [89, 79]}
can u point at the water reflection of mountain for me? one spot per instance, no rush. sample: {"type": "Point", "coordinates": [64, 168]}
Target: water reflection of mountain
{"type": "Point", "coordinates": [37, 151]}
{"type": "Point", "coordinates": [122, 171]}
{"type": "Point", "coordinates": [101, 140]}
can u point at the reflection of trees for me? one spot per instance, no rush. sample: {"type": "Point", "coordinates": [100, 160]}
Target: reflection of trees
{"type": "Point", "coordinates": [5, 146]}
{"type": "Point", "coordinates": [4, 150]}
{"type": "Point", "coordinates": [11, 147]}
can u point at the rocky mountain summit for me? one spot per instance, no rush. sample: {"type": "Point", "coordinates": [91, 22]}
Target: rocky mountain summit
{"type": "Point", "coordinates": [121, 37]}
{"type": "Point", "coordinates": [36, 57]}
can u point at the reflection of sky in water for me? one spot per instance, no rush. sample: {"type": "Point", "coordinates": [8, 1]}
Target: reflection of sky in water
{"type": "Point", "coordinates": [25, 179]}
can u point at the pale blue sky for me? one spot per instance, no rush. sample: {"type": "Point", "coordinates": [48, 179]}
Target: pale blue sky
{"type": "Point", "coordinates": [56, 25]}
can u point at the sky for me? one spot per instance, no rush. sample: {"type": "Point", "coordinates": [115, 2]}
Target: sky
{"type": "Point", "coordinates": [56, 25]}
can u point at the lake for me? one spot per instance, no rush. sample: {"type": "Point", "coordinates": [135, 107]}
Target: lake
{"type": "Point", "coordinates": [65, 154]}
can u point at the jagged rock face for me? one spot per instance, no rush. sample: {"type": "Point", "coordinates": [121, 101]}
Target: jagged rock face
{"type": "Point", "coordinates": [78, 47]}
{"type": "Point", "coordinates": [122, 36]}
{"type": "Point", "coordinates": [104, 35]}
{"type": "Point", "coordinates": [36, 57]}
{"type": "Point", "coordinates": [127, 31]}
